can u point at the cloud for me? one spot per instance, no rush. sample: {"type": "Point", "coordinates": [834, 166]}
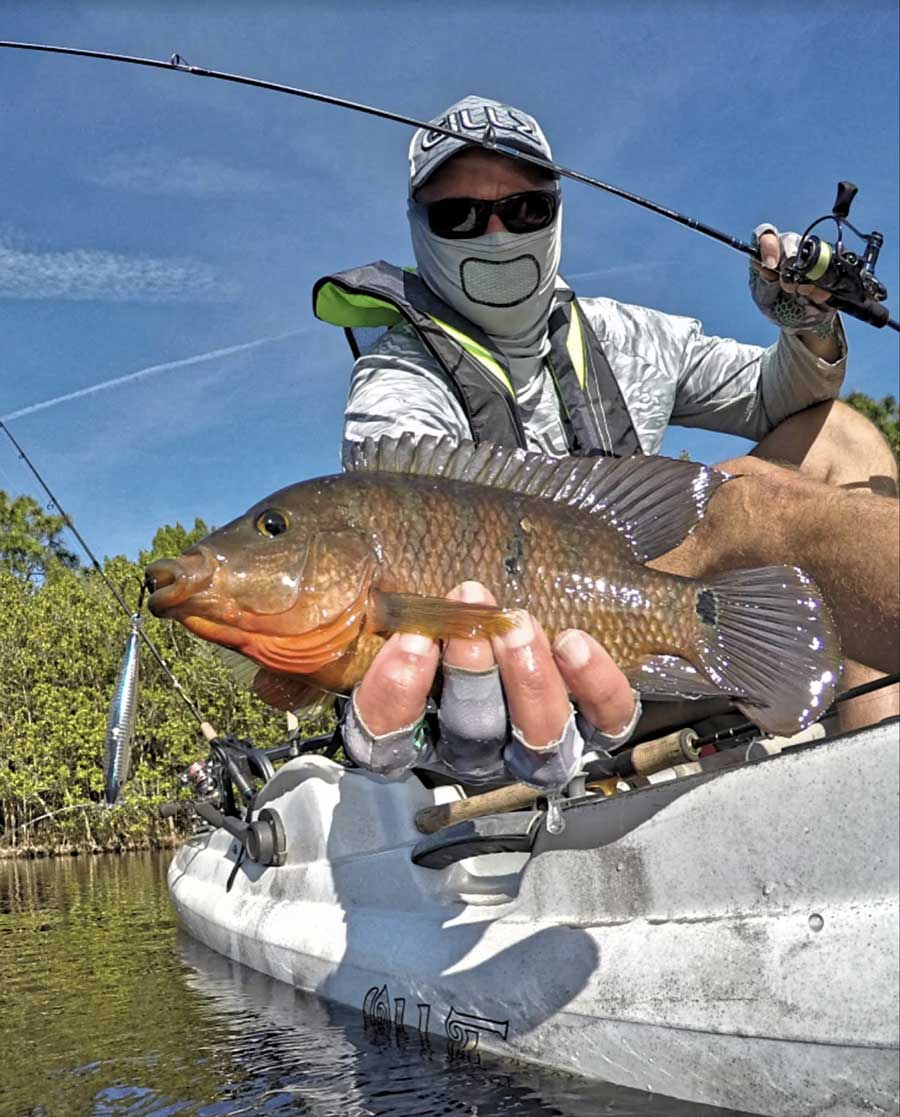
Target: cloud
{"type": "Point", "coordinates": [91, 274]}
{"type": "Point", "coordinates": [144, 373]}
{"type": "Point", "coordinates": [156, 170]}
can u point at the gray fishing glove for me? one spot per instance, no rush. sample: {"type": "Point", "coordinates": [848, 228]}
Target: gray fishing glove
{"type": "Point", "coordinates": [597, 740]}
{"type": "Point", "coordinates": [476, 744]}
{"type": "Point", "coordinates": [472, 717]}
{"type": "Point", "coordinates": [793, 312]}
{"type": "Point", "coordinates": [391, 754]}
{"type": "Point", "coordinates": [549, 768]}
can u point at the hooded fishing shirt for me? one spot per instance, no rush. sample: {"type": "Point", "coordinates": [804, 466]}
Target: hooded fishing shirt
{"type": "Point", "coordinates": [667, 371]}
{"type": "Point", "coordinates": [639, 371]}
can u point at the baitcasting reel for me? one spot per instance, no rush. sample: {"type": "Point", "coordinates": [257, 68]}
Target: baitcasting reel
{"type": "Point", "coordinates": [850, 278]}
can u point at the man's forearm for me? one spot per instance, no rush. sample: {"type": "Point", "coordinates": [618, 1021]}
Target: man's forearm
{"type": "Point", "coordinates": [848, 543]}
{"type": "Point", "coordinates": [823, 345]}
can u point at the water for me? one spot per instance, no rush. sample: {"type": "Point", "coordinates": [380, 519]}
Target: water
{"type": "Point", "coordinates": [107, 1009]}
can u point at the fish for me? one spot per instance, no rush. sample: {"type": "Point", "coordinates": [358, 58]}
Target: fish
{"type": "Point", "coordinates": [122, 717]}
{"type": "Point", "coordinates": [303, 589]}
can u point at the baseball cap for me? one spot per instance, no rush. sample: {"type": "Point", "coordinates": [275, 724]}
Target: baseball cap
{"type": "Point", "coordinates": [512, 128]}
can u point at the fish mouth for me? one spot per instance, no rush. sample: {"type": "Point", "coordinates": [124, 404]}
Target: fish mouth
{"type": "Point", "coordinates": [171, 582]}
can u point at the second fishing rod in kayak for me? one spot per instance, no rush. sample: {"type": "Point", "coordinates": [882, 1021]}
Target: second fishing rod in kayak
{"type": "Point", "coordinates": [848, 276]}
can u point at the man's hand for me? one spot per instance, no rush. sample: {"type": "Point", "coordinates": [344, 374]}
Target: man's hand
{"type": "Point", "coordinates": [797, 308]}
{"type": "Point", "coordinates": [537, 681]}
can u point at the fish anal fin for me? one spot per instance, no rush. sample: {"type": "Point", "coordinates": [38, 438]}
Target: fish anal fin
{"type": "Point", "coordinates": [670, 676]}
{"type": "Point", "coordinates": [435, 616]}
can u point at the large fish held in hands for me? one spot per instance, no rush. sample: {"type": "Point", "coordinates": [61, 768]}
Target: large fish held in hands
{"type": "Point", "coordinates": [311, 581]}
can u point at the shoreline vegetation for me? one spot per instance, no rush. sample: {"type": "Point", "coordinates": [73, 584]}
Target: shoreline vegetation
{"type": "Point", "coordinates": [61, 641]}
{"type": "Point", "coordinates": [41, 852]}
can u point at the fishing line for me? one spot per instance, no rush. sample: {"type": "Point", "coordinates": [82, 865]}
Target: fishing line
{"type": "Point", "coordinates": [50, 814]}
{"type": "Point", "coordinates": [112, 587]}
{"type": "Point", "coordinates": [489, 141]}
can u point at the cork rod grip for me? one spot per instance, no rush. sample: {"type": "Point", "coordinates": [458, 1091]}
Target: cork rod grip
{"type": "Point", "coordinates": [430, 819]}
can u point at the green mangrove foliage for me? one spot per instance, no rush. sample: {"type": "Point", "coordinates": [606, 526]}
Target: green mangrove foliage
{"type": "Point", "coordinates": [31, 539]}
{"type": "Point", "coordinates": [61, 640]}
{"type": "Point", "coordinates": [884, 413]}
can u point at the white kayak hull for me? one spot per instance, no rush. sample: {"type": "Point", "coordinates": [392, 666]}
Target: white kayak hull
{"type": "Point", "coordinates": [731, 940]}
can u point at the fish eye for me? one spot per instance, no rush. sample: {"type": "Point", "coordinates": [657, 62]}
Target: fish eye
{"type": "Point", "coordinates": [271, 523]}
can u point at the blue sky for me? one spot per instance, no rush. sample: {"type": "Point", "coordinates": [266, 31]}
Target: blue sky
{"type": "Point", "coordinates": [160, 222]}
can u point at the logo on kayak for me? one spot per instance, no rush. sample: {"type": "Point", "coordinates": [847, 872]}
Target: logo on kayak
{"type": "Point", "coordinates": [463, 1029]}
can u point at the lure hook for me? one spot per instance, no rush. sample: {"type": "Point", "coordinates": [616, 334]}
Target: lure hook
{"type": "Point", "coordinates": [142, 591]}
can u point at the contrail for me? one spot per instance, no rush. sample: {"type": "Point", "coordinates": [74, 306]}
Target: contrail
{"type": "Point", "coordinates": [619, 269]}
{"type": "Point", "coordinates": [143, 373]}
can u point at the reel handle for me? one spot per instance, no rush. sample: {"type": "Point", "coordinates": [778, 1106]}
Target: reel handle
{"type": "Point", "coordinates": [846, 192]}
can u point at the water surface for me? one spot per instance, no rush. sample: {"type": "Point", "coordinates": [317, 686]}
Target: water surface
{"type": "Point", "coordinates": [107, 1009]}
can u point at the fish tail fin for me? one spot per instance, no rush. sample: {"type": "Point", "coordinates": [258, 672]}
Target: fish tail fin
{"type": "Point", "coordinates": [766, 637]}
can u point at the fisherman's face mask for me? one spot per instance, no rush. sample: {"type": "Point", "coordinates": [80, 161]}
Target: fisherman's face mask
{"type": "Point", "coordinates": [503, 282]}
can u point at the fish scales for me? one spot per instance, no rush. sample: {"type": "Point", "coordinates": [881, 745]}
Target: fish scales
{"type": "Point", "coordinates": [571, 570]}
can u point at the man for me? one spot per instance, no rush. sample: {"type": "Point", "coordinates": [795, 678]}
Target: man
{"type": "Point", "coordinates": [490, 344]}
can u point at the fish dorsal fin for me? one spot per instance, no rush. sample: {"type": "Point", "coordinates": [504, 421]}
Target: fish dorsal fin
{"type": "Point", "coordinates": [653, 502]}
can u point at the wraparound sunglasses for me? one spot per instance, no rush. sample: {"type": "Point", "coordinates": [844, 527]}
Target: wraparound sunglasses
{"type": "Point", "coordinates": [461, 218]}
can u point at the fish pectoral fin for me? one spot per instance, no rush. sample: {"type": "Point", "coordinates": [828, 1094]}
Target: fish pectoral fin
{"type": "Point", "coordinates": [243, 670]}
{"type": "Point", "coordinates": [291, 692]}
{"type": "Point", "coordinates": [284, 692]}
{"type": "Point", "coordinates": [670, 676]}
{"type": "Point", "coordinates": [435, 616]}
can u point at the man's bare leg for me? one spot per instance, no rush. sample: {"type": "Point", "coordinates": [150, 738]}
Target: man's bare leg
{"type": "Point", "coordinates": [834, 443]}
{"type": "Point", "coordinates": [847, 540]}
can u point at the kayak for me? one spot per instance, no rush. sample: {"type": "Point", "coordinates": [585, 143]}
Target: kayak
{"type": "Point", "coordinates": [727, 937]}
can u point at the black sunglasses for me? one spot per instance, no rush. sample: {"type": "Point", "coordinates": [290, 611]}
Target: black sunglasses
{"type": "Point", "coordinates": [461, 218]}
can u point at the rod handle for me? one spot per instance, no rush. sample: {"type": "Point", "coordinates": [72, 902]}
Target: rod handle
{"type": "Point", "coordinates": [430, 819]}
{"type": "Point", "coordinates": [646, 758]}
{"type": "Point", "coordinates": [674, 748]}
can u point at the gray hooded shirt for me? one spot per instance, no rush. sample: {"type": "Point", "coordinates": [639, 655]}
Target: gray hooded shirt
{"type": "Point", "coordinates": [668, 370]}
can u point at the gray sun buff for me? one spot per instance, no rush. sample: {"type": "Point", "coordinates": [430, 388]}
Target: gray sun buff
{"type": "Point", "coordinates": [503, 282]}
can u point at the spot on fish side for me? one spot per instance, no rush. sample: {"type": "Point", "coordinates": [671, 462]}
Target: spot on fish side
{"type": "Point", "coordinates": [707, 607]}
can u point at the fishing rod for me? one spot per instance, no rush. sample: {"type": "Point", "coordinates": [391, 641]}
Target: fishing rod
{"type": "Point", "coordinates": [746, 727]}
{"type": "Point", "coordinates": [849, 277]}
{"type": "Point", "coordinates": [137, 630]}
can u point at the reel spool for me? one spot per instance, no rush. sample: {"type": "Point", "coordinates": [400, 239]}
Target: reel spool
{"type": "Point", "coordinates": [848, 276]}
